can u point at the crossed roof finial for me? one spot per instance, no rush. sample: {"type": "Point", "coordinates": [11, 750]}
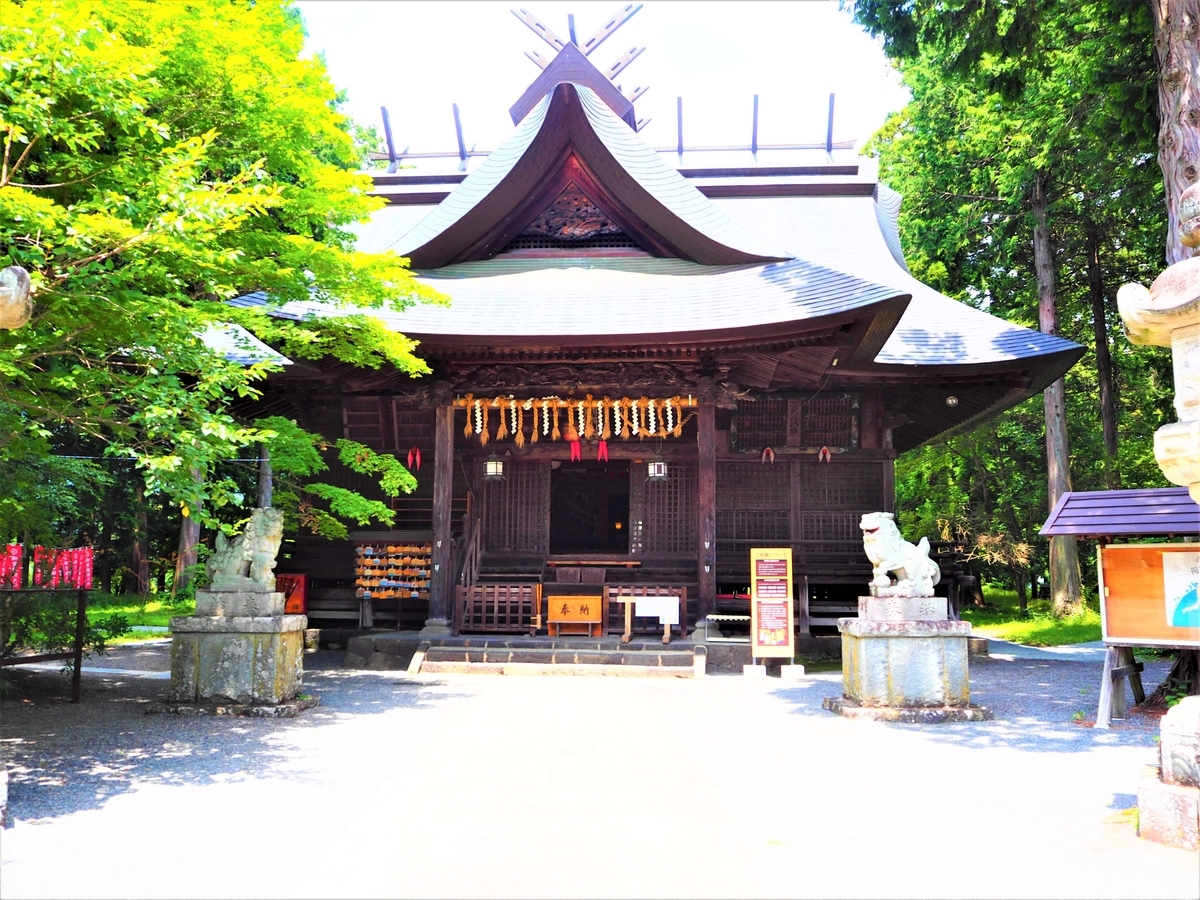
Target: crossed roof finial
{"type": "Point", "coordinates": [575, 59]}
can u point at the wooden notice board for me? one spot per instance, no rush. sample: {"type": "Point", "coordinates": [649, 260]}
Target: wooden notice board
{"type": "Point", "coordinates": [1149, 594]}
{"type": "Point", "coordinates": [771, 602]}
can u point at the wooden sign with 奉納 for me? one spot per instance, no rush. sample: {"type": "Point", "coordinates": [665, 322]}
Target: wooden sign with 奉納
{"type": "Point", "coordinates": [585, 610]}
{"type": "Point", "coordinates": [1150, 594]}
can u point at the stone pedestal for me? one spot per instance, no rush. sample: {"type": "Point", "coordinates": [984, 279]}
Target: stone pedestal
{"type": "Point", "coordinates": [903, 609]}
{"type": "Point", "coordinates": [1169, 797]}
{"type": "Point", "coordinates": [239, 603]}
{"type": "Point", "coordinates": [245, 659]}
{"type": "Point", "coordinates": [905, 669]}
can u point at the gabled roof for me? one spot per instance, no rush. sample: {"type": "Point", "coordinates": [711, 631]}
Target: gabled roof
{"type": "Point", "coordinates": [573, 136]}
{"type": "Point", "coordinates": [1147, 512]}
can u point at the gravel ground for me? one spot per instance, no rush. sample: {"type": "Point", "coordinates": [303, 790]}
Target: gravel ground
{"type": "Point", "coordinates": [489, 786]}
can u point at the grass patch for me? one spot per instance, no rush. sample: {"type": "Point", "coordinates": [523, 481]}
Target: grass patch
{"type": "Point", "coordinates": [823, 664]}
{"type": "Point", "coordinates": [1001, 619]}
{"type": "Point", "coordinates": [152, 611]}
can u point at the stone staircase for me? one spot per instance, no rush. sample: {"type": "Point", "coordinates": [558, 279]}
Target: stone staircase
{"type": "Point", "coordinates": [526, 656]}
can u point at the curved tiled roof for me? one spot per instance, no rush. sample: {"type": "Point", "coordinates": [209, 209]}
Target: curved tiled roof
{"type": "Point", "coordinates": [843, 234]}
{"type": "Point", "coordinates": [578, 304]}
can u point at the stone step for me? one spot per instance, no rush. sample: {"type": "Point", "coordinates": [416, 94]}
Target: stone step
{"type": "Point", "coordinates": [525, 668]}
{"type": "Point", "coordinates": [560, 656]}
{"type": "Point", "coordinates": [559, 643]}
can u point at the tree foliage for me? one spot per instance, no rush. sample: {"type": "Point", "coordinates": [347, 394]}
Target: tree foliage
{"type": "Point", "coordinates": [158, 160]}
{"type": "Point", "coordinates": [1062, 93]}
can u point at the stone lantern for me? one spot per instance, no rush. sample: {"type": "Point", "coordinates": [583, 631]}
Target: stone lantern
{"type": "Point", "coordinates": [1168, 315]}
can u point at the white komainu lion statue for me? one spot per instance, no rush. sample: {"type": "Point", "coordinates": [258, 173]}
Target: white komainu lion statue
{"type": "Point", "coordinates": [916, 573]}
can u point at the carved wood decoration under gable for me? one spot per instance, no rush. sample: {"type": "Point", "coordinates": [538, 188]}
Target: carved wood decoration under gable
{"type": "Point", "coordinates": [571, 217]}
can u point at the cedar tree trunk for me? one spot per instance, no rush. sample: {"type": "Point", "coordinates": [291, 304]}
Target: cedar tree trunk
{"type": "Point", "coordinates": [1177, 49]}
{"type": "Point", "coordinates": [141, 541]}
{"type": "Point", "coordinates": [1108, 404]}
{"type": "Point", "coordinates": [266, 481]}
{"type": "Point", "coordinates": [1066, 590]}
{"type": "Point", "coordinates": [189, 540]}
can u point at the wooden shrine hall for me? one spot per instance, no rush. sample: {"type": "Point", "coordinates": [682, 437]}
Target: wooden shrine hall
{"type": "Point", "coordinates": [652, 360]}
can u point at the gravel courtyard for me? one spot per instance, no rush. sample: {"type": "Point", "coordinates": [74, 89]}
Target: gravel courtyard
{"type": "Point", "coordinates": [477, 786]}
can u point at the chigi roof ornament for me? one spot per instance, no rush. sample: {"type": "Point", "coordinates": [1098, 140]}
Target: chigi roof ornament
{"type": "Point", "coordinates": [571, 64]}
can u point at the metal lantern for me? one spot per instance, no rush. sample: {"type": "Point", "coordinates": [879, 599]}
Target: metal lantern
{"type": "Point", "coordinates": [493, 468]}
{"type": "Point", "coordinates": [656, 469]}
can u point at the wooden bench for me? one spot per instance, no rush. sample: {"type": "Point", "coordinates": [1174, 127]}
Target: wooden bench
{"type": "Point", "coordinates": [500, 607]}
{"type": "Point", "coordinates": [337, 603]}
{"type": "Point", "coordinates": [628, 594]}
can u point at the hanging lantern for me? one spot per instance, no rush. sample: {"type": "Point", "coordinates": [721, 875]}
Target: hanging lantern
{"type": "Point", "coordinates": [493, 468]}
{"type": "Point", "coordinates": [656, 469]}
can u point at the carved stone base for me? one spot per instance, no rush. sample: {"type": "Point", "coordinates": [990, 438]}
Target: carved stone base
{"type": "Point", "coordinates": [910, 715]}
{"type": "Point", "coordinates": [903, 609]}
{"type": "Point", "coordinates": [1168, 813]}
{"type": "Point", "coordinates": [288, 710]}
{"type": "Point", "coordinates": [905, 664]}
{"type": "Point", "coordinates": [436, 628]}
{"type": "Point", "coordinates": [239, 603]}
{"type": "Point", "coordinates": [249, 660]}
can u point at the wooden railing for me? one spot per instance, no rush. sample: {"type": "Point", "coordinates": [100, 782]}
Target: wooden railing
{"type": "Point", "coordinates": [816, 557]}
{"type": "Point", "coordinates": [498, 607]}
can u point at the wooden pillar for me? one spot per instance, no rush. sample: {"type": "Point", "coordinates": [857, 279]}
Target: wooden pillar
{"type": "Point", "coordinates": [441, 587]}
{"type": "Point", "coordinates": [706, 533]}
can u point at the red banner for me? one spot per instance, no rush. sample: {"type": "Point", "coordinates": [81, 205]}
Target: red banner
{"type": "Point", "coordinates": [52, 568]}
{"type": "Point", "coordinates": [11, 568]}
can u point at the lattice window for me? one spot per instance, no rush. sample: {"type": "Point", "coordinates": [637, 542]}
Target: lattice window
{"type": "Point", "coordinates": [668, 523]}
{"type": "Point", "coordinates": [753, 486]}
{"type": "Point", "coordinates": [830, 422]}
{"type": "Point", "coordinates": [857, 486]}
{"type": "Point", "coordinates": [758, 424]}
{"type": "Point", "coordinates": [831, 526]}
{"type": "Point", "coordinates": [753, 525]}
{"type": "Point", "coordinates": [596, 242]}
{"type": "Point", "coordinates": [413, 427]}
{"type": "Point", "coordinates": [362, 420]}
{"type": "Point", "coordinates": [516, 511]}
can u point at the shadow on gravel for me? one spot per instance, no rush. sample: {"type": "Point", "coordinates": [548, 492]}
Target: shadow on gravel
{"type": "Point", "coordinates": [1040, 706]}
{"type": "Point", "coordinates": [64, 758]}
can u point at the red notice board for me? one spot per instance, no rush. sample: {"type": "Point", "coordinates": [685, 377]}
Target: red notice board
{"type": "Point", "coordinates": [771, 603]}
{"type": "Point", "coordinates": [295, 593]}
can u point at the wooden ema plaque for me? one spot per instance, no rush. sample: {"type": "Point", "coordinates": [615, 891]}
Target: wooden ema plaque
{"type": "Point", "coordinates": [1148, 594]}
{"type": "Point", "coordinates": [771, 603]}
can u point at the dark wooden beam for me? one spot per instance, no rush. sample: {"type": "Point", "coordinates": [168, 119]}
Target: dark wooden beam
{"type": "Point", "coordinates": [706, 533]}
{"type": "Point", "coordinates": [441, 586]}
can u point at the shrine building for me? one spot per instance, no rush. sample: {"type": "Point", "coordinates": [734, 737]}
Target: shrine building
{"type": "Point", "coordinates": [653, 359]}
